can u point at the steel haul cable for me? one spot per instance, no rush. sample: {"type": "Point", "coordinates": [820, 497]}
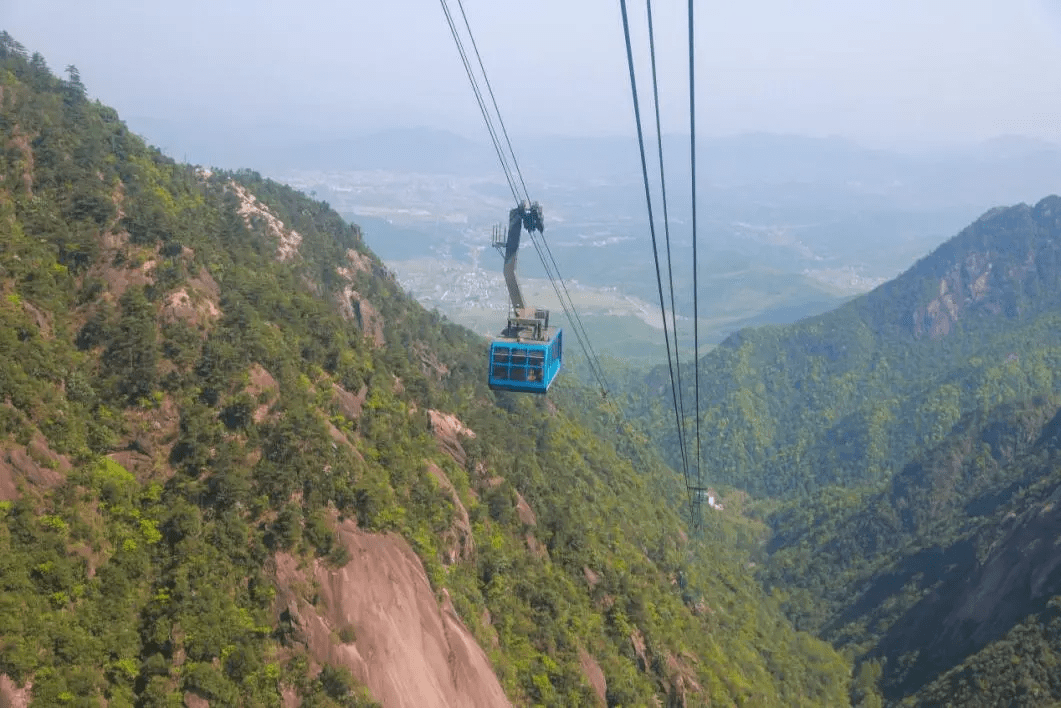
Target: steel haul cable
{"type": "Point", "coordinates": [696, 315]}
{"type": "Point", "coordinates": [666, 232]}
{"type": "Point", "coordinates": [655, 249]}
{"type": "Point", "coordinates": [479, 98]}
{"type": "Point", "coordinates": [493, 99]}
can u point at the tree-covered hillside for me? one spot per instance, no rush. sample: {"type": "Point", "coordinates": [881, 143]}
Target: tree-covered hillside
{"type": "Point", "coordinates": [850, 396]}
{"type": "Point", "coordinates": [942, 562]}
{"type": "Point", "coordinates": [208, 386]}
{"type": "Point", "coordinates": [902, 450]}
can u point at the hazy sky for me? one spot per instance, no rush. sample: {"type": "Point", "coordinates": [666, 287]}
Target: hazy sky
{"type": "Point", "coordinates": [881, 72]}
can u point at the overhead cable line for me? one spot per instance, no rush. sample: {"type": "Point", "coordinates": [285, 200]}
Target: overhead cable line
{"type": "Point", "coordinates": [479, 98]}
{"type": "Point", "coordinates": [493, 99]}
{"type": "Point", "coordinates": [573, 317]}
{"type": "Point", "coordinates": [666, 232]}
{"type": "Point", "coordinates": [696, 318]}
{"type": "Point", "coordinates": [655, 248]}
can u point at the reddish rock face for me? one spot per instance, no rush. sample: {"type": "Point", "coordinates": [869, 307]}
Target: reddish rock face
{"type": "Point", "coordinates": [352, 306]}
{"type": "Point", "coordinates": [35, 464]}
{"type": "Point", "coordinates": [448, 431]}
{"type": "Point", "coordinates": [595, 675]}
{"type": "Point", "coordinates": [408, 649]}
{"type": "Point", "coordinates": [458, 542]}
{"type": "Point", "coordinates": [12, 695]}
{"type": "Point", "coordinates": [255, 213]}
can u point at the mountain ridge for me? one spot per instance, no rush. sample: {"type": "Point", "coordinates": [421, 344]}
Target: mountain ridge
{"type": "Point", "coordinates": [1022, 240]}
{"type": "Point", "coordinates": [848, 396]}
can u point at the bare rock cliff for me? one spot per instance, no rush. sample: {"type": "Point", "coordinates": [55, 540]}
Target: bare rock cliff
{"type": "Point", "coordinates": [1006, 264]}
{"type": "Point", "coordinates": [379, 617]}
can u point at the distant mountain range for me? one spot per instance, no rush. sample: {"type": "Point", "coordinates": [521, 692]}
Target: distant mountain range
{"type": "Point", "coordinates": [1004, 169]}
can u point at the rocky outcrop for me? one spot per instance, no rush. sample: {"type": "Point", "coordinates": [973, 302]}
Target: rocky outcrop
{"type": "Point", "coordinates": [192, 700]}
{"type": "Point", "coordinates": [637, 641]}
{"type": "Point", "coordinates": [355, 308]}
{"type": "Point", "coordinates": [13, 696]}
{"type": "Point", "coordinates": [255, 213]}
{"type": "Point", "coordinates": [448, 431]}
{"type": "Point", "coordinates": [1009, 260]}
{"type": "Point", "coordinates": [359, 263]}
{"type": "Point", "coordinates": [408, 648]}
{"type": "Point", "coordinates": [524, 511]}
{"type": "Point", "coordinates": [967, 285]}
{"type": "Point", "coordinates": [458, 541]}
{"type": "Point", "coordinates": [430, 363]}
{"type": "Point", "coordinates": [348, 403]}
{"type": "Point", "coordinates": [116, 270]}
{"type": "Point", "coordinates": [34, 463]}
{"type": "Point", "coordinates": [263, 388]}
{"type": "Point", "coordinates": [196, 303]}
{"type": "Point", "coordinates": [681, 681]}
{"type": "Point", "coordinates": [594, 676]}
{"type": "Point", "coordinates": [352, 305]}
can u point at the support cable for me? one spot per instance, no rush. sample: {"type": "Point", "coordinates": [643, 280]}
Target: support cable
{"type": "Point", "coordinates": [493, 99]}
{"type": "Point", "coordinates": [666, 231]}
{"type": "Point", "coordinates": [696, 317]}
{"type": "Point", "coordinates": [652, 230]}
{"type": "Point", "coordinates": [573, 316]}
{"type": "Point", "coordinates": [479, 98]}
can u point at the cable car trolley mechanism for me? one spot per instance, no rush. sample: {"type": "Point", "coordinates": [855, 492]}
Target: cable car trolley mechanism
{"type": "Point", "coordinates": [527, 356]}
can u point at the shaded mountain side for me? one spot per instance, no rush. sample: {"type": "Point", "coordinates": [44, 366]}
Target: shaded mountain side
{"type": "Point", "coordinates": [1017, 574]}
{"type": "Point", "coordinates": [940, 564]}
{"type": "Point", "coordinates": [207, 380]}
{"type": "Point", "coordinates": [1019, 670]}
{"type": "Point", "coordinates": [850, 396]}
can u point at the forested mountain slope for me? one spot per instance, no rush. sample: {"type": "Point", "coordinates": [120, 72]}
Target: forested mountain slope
{"type": "Point", "coordinates": [850, 396]}
{"type": "Point", "coordinates": [239, 466]}
{"type": "Point", "coordinates": [903, 448]}
{"type": "Point", "coordinates": [956, 552]}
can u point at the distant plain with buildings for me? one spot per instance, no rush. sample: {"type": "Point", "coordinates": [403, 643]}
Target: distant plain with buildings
{"type": "Point", "coordinates": [788, 226]}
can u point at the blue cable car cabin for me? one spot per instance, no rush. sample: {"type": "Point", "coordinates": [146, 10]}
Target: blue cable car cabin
{"type": "Point", "coordinates": [527, 356]}
{"type": "Point", "coordinates": [525, 366]}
